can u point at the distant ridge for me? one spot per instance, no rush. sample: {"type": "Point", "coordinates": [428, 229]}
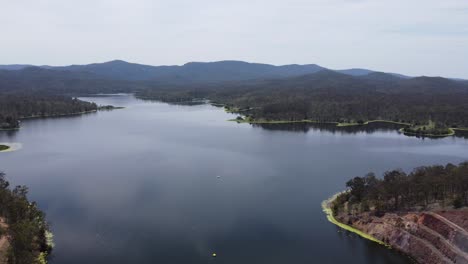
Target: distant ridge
{"type": "Point", "coordinates": [355, 72]}
{"type": "Point", "coordinates": [228, 70]}
{"type": "Point", "coordinates": [14, 67]}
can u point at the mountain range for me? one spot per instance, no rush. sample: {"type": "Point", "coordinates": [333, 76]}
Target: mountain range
{"type": "Point", "coordinates": [289, 92]}
{"type": "Point", "coordinates": [193, 71]}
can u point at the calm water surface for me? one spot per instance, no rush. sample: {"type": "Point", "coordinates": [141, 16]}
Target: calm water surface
{"type": "Point", "coordinates": [140, 185]}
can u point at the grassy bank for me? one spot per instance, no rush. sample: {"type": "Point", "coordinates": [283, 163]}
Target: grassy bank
{"type": "Point", "coordinates": [328, 211]}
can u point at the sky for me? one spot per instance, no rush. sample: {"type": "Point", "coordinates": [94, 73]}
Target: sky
{"type": "Point", "coordinates": [413, 37]}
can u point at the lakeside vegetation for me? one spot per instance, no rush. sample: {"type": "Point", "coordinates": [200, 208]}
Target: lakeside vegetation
{"type": "Point", "coordinates": [4, 147]}
{"type": "Point", "coordinates": [317, 95]}
{"type": "Point", "coordinates": [425, 188]}
{"type": "Point", "coordinates": [15, 107]}
{"type": "Point", "coordinates": [326, 207]}
{"type": "Point", "coordinates": [431, 129]}
{"type": "Point", "coordinates": [251, 120]}
{"type": "Point", "coordinates": [29, 238]}
{"type": "Point", "coordinates": [330, 97]}
{"type": "Point", "coordinates": [109, 107]}
{"type": "Point", "coordinates": [343, 112]}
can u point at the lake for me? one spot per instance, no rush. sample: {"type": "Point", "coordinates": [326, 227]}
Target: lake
{"type": "Point", "coordinates": [160, 183]}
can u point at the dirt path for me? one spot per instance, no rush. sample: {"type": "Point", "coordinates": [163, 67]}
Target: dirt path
{"type": "Point", "coordinates": [447, 243]}
{"type": "Point", "coordinates": [434, 251]}
{"type": "Point", "coordinates": [450, 223]}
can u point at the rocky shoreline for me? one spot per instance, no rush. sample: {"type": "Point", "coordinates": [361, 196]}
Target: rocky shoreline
{"type": "Point", "coordinates": [429, 237]}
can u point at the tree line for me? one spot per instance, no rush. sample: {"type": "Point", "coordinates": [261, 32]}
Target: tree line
{"type": "Point", "coordinates": [14, 107]}
{"type": "Point", "coordinates": [445, 186]}
{"type": "Point", "coordinates": [27, 227]}
{"type": "Point", "coordinates": [333, 97]}
{"type": "Point", "coordinates": [323, 96]}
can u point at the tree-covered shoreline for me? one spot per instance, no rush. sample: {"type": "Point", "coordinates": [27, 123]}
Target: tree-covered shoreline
{"type": "Point", "coordinates": [4, 147]}
{"type": "Point", "coordinates": [422, 189]}
{"type": "Point", "coordinates": [321, 96]}
{"type": "Point", "coordinates": [14, 108]}
{"type": "Point", "coordinates": [328, 97]}
{"type": "Point", "coordinates": [422, 213]}
{"type": "Point", "coordinates": [28, 232]}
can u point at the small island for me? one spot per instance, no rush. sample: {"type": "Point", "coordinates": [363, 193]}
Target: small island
{"type": "Point", "coordinates": [109, 107]}
{"type": "Point", "coordinates": [4, 147]}
{"type": "Point", "coordinates": [423, 214]}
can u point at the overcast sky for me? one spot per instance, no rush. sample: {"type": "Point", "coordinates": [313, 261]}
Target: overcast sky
{"type": "Point", "coordinates": [414, 37]}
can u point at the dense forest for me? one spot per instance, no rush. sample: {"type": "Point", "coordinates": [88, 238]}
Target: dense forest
{"type": "Point", "coordinates": [257, 91]}
{"type": "Point", "coordinates": [333, 97]}
{"type": "Point", "coordinates": [27, 232]}
{"type": "Point", "coordinates": [424, 187]}
{"type": "Point", "coordinates": [14, 107]}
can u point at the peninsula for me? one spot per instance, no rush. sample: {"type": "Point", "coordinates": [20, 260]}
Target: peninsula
{"type": "Point", "coordinates": [423, 214]}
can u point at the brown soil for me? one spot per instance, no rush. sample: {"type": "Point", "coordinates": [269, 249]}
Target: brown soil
{"type": "Point", "coordinates": [429, 237]}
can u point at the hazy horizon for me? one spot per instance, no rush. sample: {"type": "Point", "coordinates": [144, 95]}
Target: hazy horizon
{"type": "Point", "coordinates": [417, 38]}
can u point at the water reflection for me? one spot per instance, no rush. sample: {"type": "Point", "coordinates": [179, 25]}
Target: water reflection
{"type": "Point", "coordinates": [367, 129]}
{"type": "Point", "coordinates": [306, 127]}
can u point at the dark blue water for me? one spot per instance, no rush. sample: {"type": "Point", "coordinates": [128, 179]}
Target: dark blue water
{"type": "Point", "coordinates": [140, 185]}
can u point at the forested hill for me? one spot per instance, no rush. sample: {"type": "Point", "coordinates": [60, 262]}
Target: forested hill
{"type": "Point", "coordinates": [328, 96]}
{"type": "Point", "coordinates": [59, 82]}
{"type": "Point", "coordinates": [188, 73]}
{"type": "Point", "coordinates": [262, 91]}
